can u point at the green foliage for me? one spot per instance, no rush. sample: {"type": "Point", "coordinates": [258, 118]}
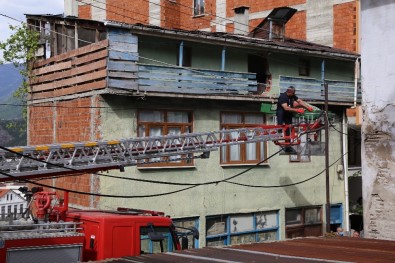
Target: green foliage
{"type": "Point", "coordinates": [20, 49]}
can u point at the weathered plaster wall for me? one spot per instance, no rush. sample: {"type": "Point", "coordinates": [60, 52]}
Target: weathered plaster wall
{"type": "Point", "coordinates": [378, 128]}
{"type": "Point", "coordinates": [119, 120]}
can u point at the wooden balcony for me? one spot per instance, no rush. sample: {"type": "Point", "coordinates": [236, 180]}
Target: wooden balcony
{"type": "Point", "coordinates": [339, 92]}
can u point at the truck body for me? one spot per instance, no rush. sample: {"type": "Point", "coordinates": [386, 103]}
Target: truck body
{"type": "Point", "coordinates": [56, 234]}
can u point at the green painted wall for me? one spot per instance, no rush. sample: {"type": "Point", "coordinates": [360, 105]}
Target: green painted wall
{"type": "Point", "coordinates": [120, 121]}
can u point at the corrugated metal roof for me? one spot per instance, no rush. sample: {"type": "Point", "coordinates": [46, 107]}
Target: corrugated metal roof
{"type": "Point", "coordinates": [338, 249]}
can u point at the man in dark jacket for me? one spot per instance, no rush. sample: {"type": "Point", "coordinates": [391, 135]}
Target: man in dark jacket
{"type": "Point", "coordinates": [287, 104]}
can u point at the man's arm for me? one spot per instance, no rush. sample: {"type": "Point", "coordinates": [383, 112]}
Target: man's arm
{"type": "Point", "coordinates": [287, 108]}
{"type": "Point", "coordinates": [304, 105]}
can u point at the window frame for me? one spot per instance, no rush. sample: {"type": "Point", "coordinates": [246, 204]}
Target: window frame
{"type": "Point", "coordinates": [198, 8]}
{"type": "Point", "coordinates": [303, 226]}
{"type": "Point", "coordinates": [226, 237]}
{"type": "Point", "coordinates": [165, 126]}
{"type": "Point", "coordinates": [260, 156]}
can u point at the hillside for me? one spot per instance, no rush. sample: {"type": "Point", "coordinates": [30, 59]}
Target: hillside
{"type": "Point", "coordinates": [10, 80]}
{"type": "Point", "coordinates": [12, 124]}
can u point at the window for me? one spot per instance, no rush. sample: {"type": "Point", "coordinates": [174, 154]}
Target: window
{"type": "Point", "coordinates": [304, 67]}
{"type": "Point", "coordinates": [246, 153]}
{"type": "Point", "coordinates": [336, 216]}
{"type": "Point", "coordinates": [354, 147]}
{"type": "Point", "coordinates": [150, 246]}
{"type": "Point", "coordinates": [21, 209]}
{"type": "Point", "coordinates": [241, 228]}
{"type": "Point", "coordinates": [163, 122]}
{"type": "Point", "coordinates": [303, 221]}
{"type": "Point", "coordinates": [198, 7]}
{"type": "Point", "coordinates": [187, 223]}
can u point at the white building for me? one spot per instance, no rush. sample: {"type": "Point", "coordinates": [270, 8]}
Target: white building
{"type": "Point", "coordinates": [11, 202]}
{"type": "Point", "coordinates": [378, 128]}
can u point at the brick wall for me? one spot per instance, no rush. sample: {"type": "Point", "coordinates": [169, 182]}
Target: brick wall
{"type": "Point", "coordinates": [170, 14]}
{"type": "Point", "coordinates": [76, 120]}
{"type": "Point", "coordinates": [85, 12]}
{"type": "Point", "coordinates": [190, 22]}
{"type": "Point", "coordinates": [127, 11]}
{"type": "Point", "coordinates": [296, 26]}
{"type": "Point", "coordinates": [345, 26]}
{"type": "Point", "coordinates": [41, 117]}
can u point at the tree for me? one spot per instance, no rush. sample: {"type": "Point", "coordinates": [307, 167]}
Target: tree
{"type": "Point", "coordinates": [20, 49]}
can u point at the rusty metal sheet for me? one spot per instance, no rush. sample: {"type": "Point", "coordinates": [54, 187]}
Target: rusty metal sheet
{"type": "Point", "coordinates": [338, 249]}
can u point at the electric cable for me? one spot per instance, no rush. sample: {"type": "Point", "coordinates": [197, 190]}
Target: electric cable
{"type": "Point", "coordinates": [286, 185]}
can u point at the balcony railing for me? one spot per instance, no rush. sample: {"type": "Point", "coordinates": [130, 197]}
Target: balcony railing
{"type": "Point", "coordinates": [312, 89]}
{"type": "Point", "coordinates": [191, 81]}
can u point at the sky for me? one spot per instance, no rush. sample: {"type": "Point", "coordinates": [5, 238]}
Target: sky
{"type": "Point", "coordinates": [18, 8]}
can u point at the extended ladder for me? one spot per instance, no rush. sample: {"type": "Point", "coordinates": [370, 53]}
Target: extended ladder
{"type": "Point", "coordinates": [68, 158]}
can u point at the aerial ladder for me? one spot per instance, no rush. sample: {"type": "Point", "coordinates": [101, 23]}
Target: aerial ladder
{"type": "Point", "coordinates": [29, 162]}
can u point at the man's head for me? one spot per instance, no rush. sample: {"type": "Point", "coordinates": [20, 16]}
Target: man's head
{"type": "Point", "coordinates": [290, 91]}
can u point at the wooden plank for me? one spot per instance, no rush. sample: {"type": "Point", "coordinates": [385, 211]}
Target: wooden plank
{"type": "Point", "coordinates": [123, 55]}
{"type": "Point", "coordinates": [123, 47]}
{"type": "Point", "coordinates": [102, 54]}
{"type": "Point", "coordinates": [96, 85]}
{"type": "Point", "coordinates": [52, 68]}
{"type": "Point", "coordinates": [70, 73]}
{"type": "Point", "coordinates": [124, 75]}
{"type": "Point", "coordinates": [119, 35]}
{"type": "Point", "coordinates": [123, 84]}
{"type": "Point", "coordinates": [195, 79]}
{"type": "Point", "coordinates": [71, 81]}
{"type": "Point", "coordinates": [69, 91]}
{"type": "Point", "coordinates": [74, 53]}
{"type": "Point", "coordinates": [162, 85]}
{"type": "Point", "coordinates": [119, 65]}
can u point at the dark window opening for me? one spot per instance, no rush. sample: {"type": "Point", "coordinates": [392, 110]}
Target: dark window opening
{"type": "Point", "coordinates": [304, 67]}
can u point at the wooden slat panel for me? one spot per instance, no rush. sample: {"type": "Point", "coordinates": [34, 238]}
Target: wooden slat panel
{"type": "Point", "coordinates": [72, 81]}
{"type": "Point", "coordinates": [70, 90]}
{"type": "Point", "coordinates": [74, 53]}
{"type": "Point", "coordinates": [312, 89]}
{"type": "Point", "coordinates": [70, 73]}
{"type": "Point", "coordinates": [175, 79]}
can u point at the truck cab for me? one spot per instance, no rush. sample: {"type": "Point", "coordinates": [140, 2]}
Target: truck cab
{"type": "Point", "coordinates": [114, 234]}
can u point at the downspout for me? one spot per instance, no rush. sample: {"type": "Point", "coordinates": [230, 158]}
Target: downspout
{"type": "Point", "coordinates": [356, 77]}
{"type": "Point", "coordinates": [223, 59]}
{"type": "Point", "coordinates": [345, 173]}
{"type": "Point", "coordinates": [181, 54]}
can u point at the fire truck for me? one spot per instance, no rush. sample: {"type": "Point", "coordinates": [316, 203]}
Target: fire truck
{"type": "Point", "coordinates": [56, 233]}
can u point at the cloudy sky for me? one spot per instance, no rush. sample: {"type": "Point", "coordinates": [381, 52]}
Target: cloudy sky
{"type": "Point", "coordinates": [17, 8]}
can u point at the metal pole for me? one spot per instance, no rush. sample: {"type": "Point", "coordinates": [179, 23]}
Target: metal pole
{"type": "Point", "coordinates": [328, 202]}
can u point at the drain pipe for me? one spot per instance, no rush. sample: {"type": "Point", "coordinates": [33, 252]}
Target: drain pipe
{"type": "Point", "coordinates": [345, 173]}
{"type": "Point", "coordinates": [356, 77]}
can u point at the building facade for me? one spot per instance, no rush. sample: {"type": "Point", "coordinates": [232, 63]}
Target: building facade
{"type": "Point", "coordinates": [111, 80]}
{"type": "Point", "coordinates": [333, 23]}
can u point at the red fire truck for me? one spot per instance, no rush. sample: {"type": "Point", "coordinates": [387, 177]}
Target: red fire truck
{"type": "Point", "coordinates": [57, 234]}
